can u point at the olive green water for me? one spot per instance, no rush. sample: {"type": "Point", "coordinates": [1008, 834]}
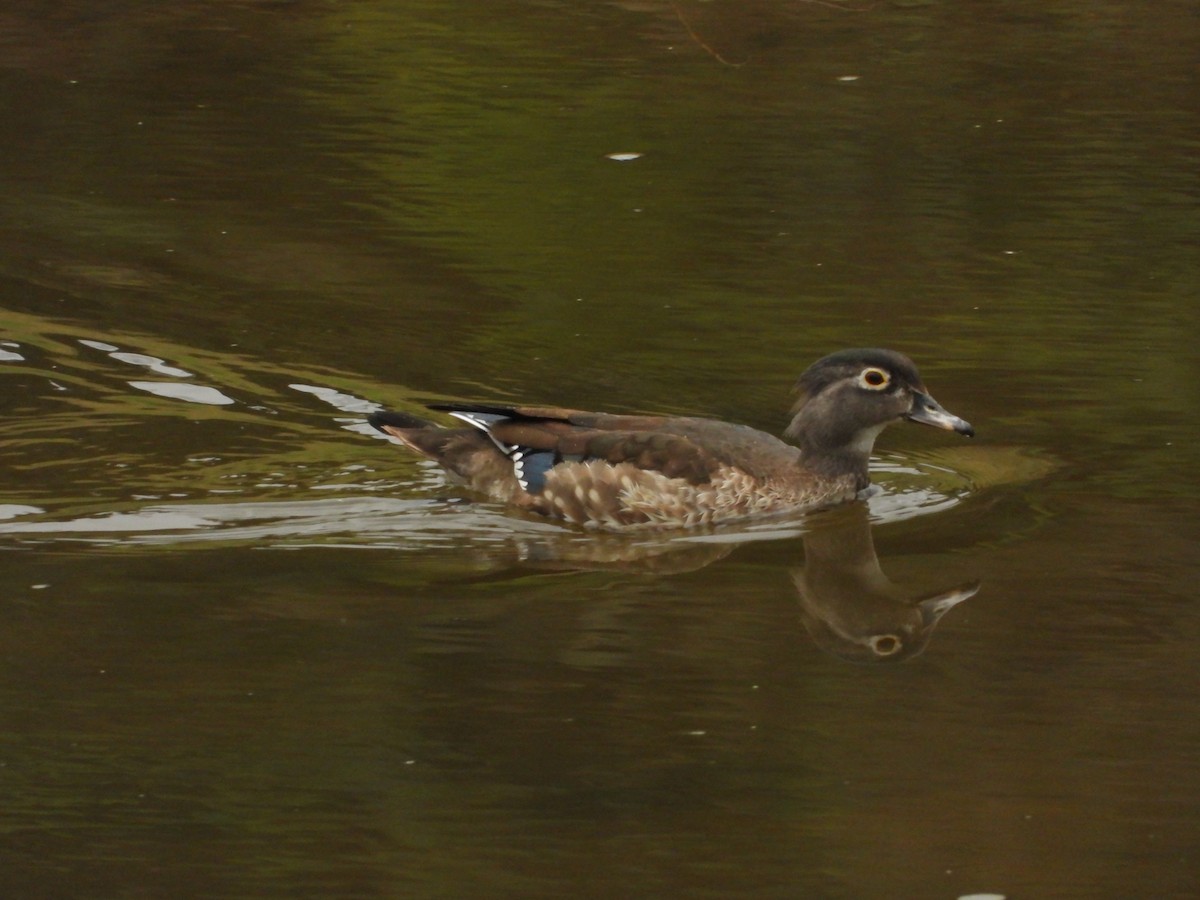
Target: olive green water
{"type": "Point", "coordinates": [250, 649]}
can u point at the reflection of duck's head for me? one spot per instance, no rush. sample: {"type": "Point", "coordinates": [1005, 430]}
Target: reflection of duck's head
{"type": "Point", "coordinates": [850, 608]}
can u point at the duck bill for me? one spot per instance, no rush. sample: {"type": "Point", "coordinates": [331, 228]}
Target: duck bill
{"type": "Point", "coordinates": [928, 411]}
{"type": "Point", "coordinates": [934, 607]}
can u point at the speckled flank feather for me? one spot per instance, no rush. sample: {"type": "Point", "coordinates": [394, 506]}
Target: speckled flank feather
{"type": "Point", "coordinates": [598, 494]}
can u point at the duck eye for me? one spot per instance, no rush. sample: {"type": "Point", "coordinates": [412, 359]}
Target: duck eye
{"type": "Point", "coordinates": [874, 379]}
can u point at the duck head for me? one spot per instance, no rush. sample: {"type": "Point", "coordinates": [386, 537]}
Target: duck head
{"type": "Point", "coordinates": [849, 397]}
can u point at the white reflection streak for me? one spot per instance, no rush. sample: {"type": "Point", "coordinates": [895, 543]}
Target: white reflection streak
{"type": "Point", "coordinates": [153, 363]}
{"type": "Point", "coordinates": [373, 522]}
{"type": "Point", "coordinates": [338, 400]}
{"type": "Point", "coordinates": [192, 393]}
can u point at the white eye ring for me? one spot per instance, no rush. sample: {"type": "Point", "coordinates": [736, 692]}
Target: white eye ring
{"type": "Point", "coordinates": [874, 379]}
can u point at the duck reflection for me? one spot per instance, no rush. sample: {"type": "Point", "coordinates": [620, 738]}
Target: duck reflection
{"type": "Point", "coordinates": [850, 608]}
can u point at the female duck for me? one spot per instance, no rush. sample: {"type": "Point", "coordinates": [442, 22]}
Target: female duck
{"type": "Point", "coordinates": [629, 471]}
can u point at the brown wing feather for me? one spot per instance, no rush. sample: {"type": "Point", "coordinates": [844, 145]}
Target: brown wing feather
{"type": "Point", "coordinates": [683, 447]}
{"type": "Point", "coordinates": [660, 442]}
{"type": "Point", "coordinates": [549, 415]}
{"type": "Point", "coordinates": [594, 421]}
{"type": "Point", "coordinates": [673, 455]}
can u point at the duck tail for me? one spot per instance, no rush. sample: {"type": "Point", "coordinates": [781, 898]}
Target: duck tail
{"type": "Point", "coordinates": [421, 435]}
{"type": "Point", "coordinates": [385, 420]}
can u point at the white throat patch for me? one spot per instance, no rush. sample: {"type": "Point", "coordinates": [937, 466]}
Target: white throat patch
{"type": "Point", "coordinates": [865, 439]}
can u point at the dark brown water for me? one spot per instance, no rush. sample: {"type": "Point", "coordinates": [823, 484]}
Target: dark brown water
{"type": "Point", "coordinates": [248, 649]}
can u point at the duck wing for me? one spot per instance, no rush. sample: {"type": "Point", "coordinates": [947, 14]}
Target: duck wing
{"type": "Point", "coordinates": [536, 439]}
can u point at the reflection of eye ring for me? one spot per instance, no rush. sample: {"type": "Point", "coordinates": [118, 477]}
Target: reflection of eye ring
{"type": "Point", "coordinates": [886, 645]}
{"type": "Point", "coordinates": [874, 379]}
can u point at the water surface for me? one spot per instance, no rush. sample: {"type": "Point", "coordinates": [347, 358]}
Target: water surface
{"type": "Point", "coordinates": [252, 649]}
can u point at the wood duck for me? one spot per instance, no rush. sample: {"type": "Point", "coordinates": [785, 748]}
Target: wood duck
{"type": "Point", "coordinates": [622, 472]}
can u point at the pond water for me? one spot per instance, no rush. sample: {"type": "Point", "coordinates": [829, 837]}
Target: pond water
{"type": "Point", "coordinates": [251, 649]}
